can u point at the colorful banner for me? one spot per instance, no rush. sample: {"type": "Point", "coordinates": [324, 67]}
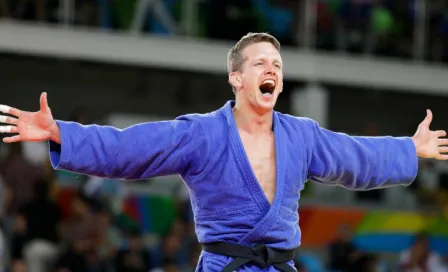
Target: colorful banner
{"type": "Point", "coordinates": [373, 230]}
{"type": "Point", "coordinates": [151, 213]}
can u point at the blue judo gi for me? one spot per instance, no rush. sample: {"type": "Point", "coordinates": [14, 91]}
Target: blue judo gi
{"type": "Point", "coordinates": [228, 202]}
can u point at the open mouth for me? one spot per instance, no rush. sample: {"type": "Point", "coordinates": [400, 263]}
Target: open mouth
{"type": "Point", "coordinates": [267, 87]}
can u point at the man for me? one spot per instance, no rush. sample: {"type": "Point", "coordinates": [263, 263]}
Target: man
{"type": "Point", "coordinates": [244, 163]}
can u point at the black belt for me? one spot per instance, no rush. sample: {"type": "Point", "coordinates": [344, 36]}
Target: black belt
{"type": "Point", "coordinates": [261, 255]}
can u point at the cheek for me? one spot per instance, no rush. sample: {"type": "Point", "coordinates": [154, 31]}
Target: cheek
{"type": "Point", "coordinates": [280, 79]}
{"type": "Point", "coordinates": [251, 81]}
{"type": "Point", "coordinates": [251, 77]}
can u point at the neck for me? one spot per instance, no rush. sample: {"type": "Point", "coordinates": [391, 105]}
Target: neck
{"type": "Point", "coordinates": [248, 118]}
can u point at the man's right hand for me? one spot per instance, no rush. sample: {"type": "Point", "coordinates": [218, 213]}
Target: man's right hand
{"type": "Point", "coordinates": [30, 126]}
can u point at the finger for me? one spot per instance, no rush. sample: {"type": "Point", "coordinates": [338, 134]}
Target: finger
{"type": "Point", "coordinates": [9, 110]}
{"type": "Point", "coordinates": [440, 133]}
{"type": "Point", "coordinates": [8, 129]}
{"type": "Point", "coordinates": [441, 142]}
{"type": "Point", "coordinates": [442, 157]}
{"type": "Point", "coordinates": [443, 149]}
{"type": "Point", "coordinates": [428, 119]}
{"type": "Point", "coordinates": [8, 120]}
{"type": "Point", "coordinates": [12, 139]}
{"type": "Point", "coordinates": [44, 102]}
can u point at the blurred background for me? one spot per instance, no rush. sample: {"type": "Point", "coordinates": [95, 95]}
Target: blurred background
{"type": "Point", "coordinates": [364, 67]}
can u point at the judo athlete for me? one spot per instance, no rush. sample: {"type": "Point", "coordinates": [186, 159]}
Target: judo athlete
{"type": "Point", "coordinates": [244, 164]}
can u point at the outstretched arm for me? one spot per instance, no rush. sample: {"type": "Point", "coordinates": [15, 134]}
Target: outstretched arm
{"type": "Point", "coordinates": [362, 163]}
{"type": "Point", "coordinates": [138, 152]}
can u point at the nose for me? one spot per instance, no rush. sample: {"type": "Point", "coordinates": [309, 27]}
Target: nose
{"type": "Point", "coordinates": [270, 70]}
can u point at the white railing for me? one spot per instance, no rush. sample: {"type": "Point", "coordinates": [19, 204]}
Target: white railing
{"type": "Point", "coordinates": [210, 57]}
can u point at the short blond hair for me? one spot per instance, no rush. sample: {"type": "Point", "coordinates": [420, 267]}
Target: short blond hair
{"type": "Point", "coordinates": [235, 56]}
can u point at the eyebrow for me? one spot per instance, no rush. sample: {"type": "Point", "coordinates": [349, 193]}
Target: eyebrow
{"type": "Point", "coordinates": [264, 59]}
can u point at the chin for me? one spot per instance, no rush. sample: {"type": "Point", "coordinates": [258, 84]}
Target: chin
{"type": "Point", "coordinates": [266, 104]}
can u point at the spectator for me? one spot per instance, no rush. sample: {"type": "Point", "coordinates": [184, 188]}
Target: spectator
{"type": "Point", "coordinates": [428, 183]}
{"type": "Point", "coordinates": [354, 25]}
{"type": "Point", "coordinates": [42, 218]}
{"type": "Point", "coordinates": [342, 252]}
{"type": "Point", "coordinates": [135, 258]}
{"type": "Point", "coordinates": [419, 257]}
{"type": "Point", "coordinates": [174, 246]}
{"type": "Point", "coordinates": [19, 176]}
{"type": "Point", "coordinates": [239, 16]}
{"type": "Point", "coordinates": [82, 235]}
{"type": "Point", "coordinates": [17, 245]}
{"type": "Point", "coordinates": [109, 237]}
{"type": "Point", "coordinates": [278, 18]}
{"type": "Point", "coordinates": [365, 263]}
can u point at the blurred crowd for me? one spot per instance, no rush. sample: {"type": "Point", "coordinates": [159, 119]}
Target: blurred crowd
{"type": "Point", "coordinates": [406, 29]}
{"type": "Point", "coordinates": [431, 187]}
{"type": "Point", "coordinates": [36, 235]}
{"type": "Point", "coordinates": [392, 28]}
{"type": "Point", "coordinates": [344, 256]}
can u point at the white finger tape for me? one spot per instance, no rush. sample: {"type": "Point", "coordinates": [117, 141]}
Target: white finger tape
{"type": "Point", "coordinates": [4, 108]}
{"type": "Point", "coordinates": [5, 129]}
{"type": "Point", "coordinates": [3, 119]}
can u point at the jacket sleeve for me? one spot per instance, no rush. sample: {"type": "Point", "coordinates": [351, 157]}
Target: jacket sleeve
{"type": "Point", "coordinates": [139, 152]}
{"type": "Point", "coordinates": [361, 163]}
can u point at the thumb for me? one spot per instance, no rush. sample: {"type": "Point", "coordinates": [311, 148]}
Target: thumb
{"type": "Point", "coordinates": [44, 103]}
{"type": "Point", "coordinates": [428, 119]}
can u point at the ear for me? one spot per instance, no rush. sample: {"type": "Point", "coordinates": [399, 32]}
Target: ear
{"type": "Point", "coordinates": [235, 80]}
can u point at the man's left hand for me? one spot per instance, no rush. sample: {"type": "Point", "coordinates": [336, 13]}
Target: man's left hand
{"type": "Point", "coordinates": [430, 144]}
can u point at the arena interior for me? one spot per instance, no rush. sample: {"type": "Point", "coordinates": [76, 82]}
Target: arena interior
{"type": "Point", "coordinates": [363, 67]}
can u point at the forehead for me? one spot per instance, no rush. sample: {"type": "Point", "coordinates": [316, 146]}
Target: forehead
{"type": "Point", "coordinates": [261, 50]}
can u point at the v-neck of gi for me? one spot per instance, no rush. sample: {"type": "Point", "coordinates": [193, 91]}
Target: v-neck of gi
{"type": "Point", "coordinates": [243, 160]}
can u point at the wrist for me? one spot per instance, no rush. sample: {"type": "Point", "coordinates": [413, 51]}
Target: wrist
{"type": "Point", "coordinates": [55, 133]}
{"type": "Point", "coordinates": [416, 145]}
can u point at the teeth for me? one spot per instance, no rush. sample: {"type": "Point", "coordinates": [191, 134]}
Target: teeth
{"type": "Point", "coordinates": [267, 94]}
{"type": "Point", "coordinates": [269, 81]}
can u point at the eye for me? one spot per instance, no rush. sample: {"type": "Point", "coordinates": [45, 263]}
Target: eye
{"type": "Point", "coordinates": [259, 63]}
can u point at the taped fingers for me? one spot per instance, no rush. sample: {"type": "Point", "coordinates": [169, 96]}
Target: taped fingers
{"type": "Point", "coordinates": [9, 110]}
{"type": "Point", "coordinates": [11, 121]}
{"type": "Point", "coordinates": [8, 120]}
{"type": "Point", "coordinates": [4, 108]}
{"type": "Point", "coordinates": [8, 129]}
